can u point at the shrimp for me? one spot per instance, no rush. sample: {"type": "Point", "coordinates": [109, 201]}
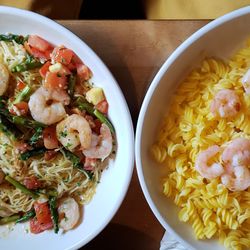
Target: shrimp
{"type": "Point", "coordinates": [246, 82]}
{"type": "Point", "coordinates": [226, 103]}
{"type": "Point", "coordinates": [101, 146]}
{"type": "Point", "coordinates": [47, 106]}
{"type": "Point", "coordinates": [4, 78]}
{"type": "Point", "coordinates": [73, 131]}
{"type": "Point", "coordinates": [70, 209]}
{"type": "Point", "coordinates": [236, 157]}
{"type": "Point", "coordinates": [201, 164]}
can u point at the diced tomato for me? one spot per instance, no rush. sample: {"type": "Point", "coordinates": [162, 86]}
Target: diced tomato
{"type": "Point", "coordinates": [39, 43]}
{"type": "Point", "coordinates": [43, 214]}
{"type": "Point", "coordinates": [20, 85]}
{"type": "Point", "coordinates": [22, 107]}
{"type": "Point", "coordinates": [22, 146]}
{"type": "Point", "coordinates": [39, 54]}
{"type": "Point", "coordinates": [83, 71]}
{"type": "Point", "coordinates": [50, 138]}
{"type": "Point", "coordinates": [32, 182]}
{"type": "Point", "coordinates": [12, 111]}
{"type": "Point", "coordinates": [36, 227]}
{"type": "Point", "coordinates": [43, 55]}
{"type": "Point", "coordinates": [71, 66]}
{"type": "Point", "coordinates": [50, 154]}
{"type": "Point", "coordinates": [90, 163]}
{"type": "Point", "coordinates": [62, 55]}
{"type": "Point", "coordinates": [55, 81]}
{"type": "Point", "coordinates": [102, 106]}
{"type": "Point", "coordinates": [44, 69]}
{"type": "Point", "coordinates": [76, 60]}
{"type": "Point", "coordinates": [97, 126]}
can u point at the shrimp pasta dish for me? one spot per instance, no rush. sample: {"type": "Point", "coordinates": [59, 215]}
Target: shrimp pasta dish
{"type": "Point", "coordinates": [55, 136]}
{"type": "Point", "coordinates": [204, 145]}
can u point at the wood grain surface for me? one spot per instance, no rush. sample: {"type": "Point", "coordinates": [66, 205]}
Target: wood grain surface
{"type": "Point", "coordinates": [133, 51]}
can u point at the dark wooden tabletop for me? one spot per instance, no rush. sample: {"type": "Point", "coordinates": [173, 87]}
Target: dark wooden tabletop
{"type": "Point", "coordinates": [133, 51]}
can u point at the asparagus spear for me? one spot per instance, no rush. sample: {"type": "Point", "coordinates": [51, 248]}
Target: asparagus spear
{"type": "Point", "coordinates": [104, 119]}
{"type": "Point", "coordinates": [21, 187]}
{"type": "Point", "coordinates": [9, 219]}
{"type": "Point", "coordinates": [84, 105]}
{"type": "Point", "coordinates": [8, 129]}
{"type": "Point", "coordinates": [36, 136]}
{"type": "Point", "coordinates": [26, 216]}
{"type": "Point", "coordinates": [54, 213]}
{"type": "Point", "coordinates": [19, 120]}
{"type": "Point", "coordinates": [72, 82]}
{"type": "Point", "coordinates": [23, 95]}
{"type": "Point", "coordinates": [77, 163]}
{"type": "Point", "coordinates": [10, 37]}
{"type": "Point", "coordinates": [34, 152]}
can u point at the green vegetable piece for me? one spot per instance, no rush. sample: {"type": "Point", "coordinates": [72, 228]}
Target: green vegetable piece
{"type": "Point", "coordinates": [72, 83]}
{"type": "Point", "coordinates": [10, 37]}
{"type": "Point", "coordinates": [105, 120]}
{"type": "Point", "coordinates": [84, 105]}
{"type": "Point", "coordinates": [9, 128]}
{"type": "Point", "coordinates": [27, 216]}
{"type": "Point", "coordinates": [54, 213]}
{"type": "Point", "coordinates": [36, 136]}
{"type": "Point", "coordinates": [9, 219]}
{"type": "Point", "coordinates": [23, 95]}
{"type": "Point", "coordinates": [20, 186]}
{"type": "Point", "coordinates": [77, 163]}
{"type": "Point", "coordinates": [34, 152]}
{"type": "Point", "coordinates": [4, 128]}
{"type": "Point", "coordinates": [19, 120]}
{"type": "Point", "coordinates": [26, 122]}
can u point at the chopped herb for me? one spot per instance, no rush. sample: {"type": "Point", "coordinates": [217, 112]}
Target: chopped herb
{"type": "Point", "coordinates": [63, 133]}
{"type": "Point", "coordinates": [68, 145]}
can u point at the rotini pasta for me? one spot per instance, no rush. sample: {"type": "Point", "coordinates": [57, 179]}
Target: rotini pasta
{"type": "Point", "coordinates": [212, 209]}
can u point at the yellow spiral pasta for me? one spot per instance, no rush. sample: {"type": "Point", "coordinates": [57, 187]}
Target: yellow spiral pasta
{"type": "Point", "coordinates": [212, 210]}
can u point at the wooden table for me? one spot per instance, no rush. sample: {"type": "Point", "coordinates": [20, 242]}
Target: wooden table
{"type": "Point", "coordinates": [134, 51]}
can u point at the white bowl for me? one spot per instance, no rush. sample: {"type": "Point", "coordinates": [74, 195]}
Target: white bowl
{"type": "Point", "coordinates": [115, 180]}
{"type": "Point", "coordinates": [220, 38]}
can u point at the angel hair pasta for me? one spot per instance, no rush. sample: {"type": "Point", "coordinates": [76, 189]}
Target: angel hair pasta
{"type": "Point", "coordinates": [205, 143]}
{"type": "Point", "coordinates": [54, 134]}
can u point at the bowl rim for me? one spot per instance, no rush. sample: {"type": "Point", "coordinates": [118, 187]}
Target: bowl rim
{"type": "Point", "coordinates": [163, 69]}
{"type": "Point", "coordinates": [126, 116]}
